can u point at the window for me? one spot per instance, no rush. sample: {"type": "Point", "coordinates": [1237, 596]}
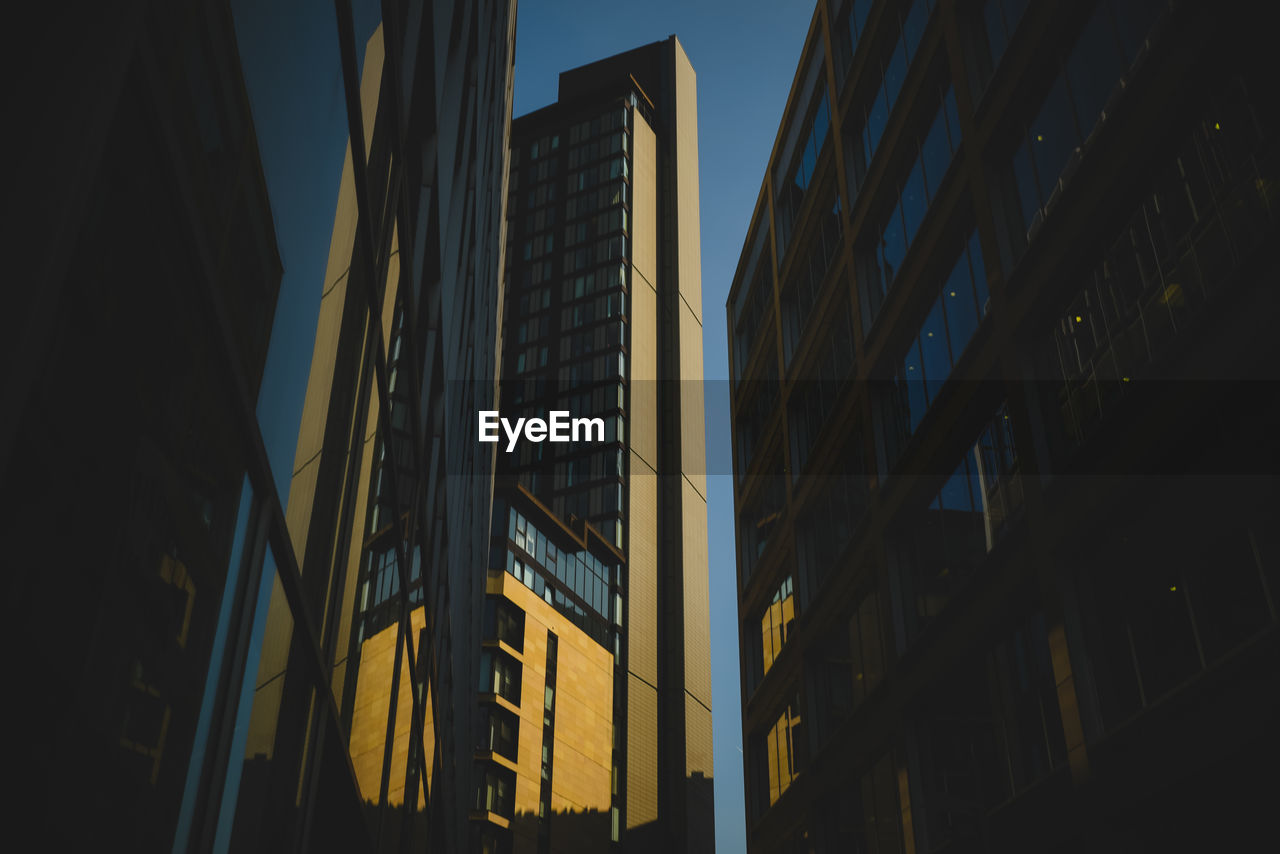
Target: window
{"type": "Point", "coordinates": [1044, 159]}
{"type": "Point", "coordinates": [989, 732]}
{"type": "Point", "coordinates": [753, 300]}
{"type": "Point", "coordinates": [808, 276]}
{"type": "Point", "coordinates": [880, 261]}
{"type": "Point", "coordinates": [762, 399]}
{"type": "Point", "coordinates": [868, 646]}
{"type": "Point", "coordinates": [548, 744]}
{"type": "Point", "coordinates": [499, 732]}
{"type": "Point", "coordinates": [586, 576]}
{"type": "Point", "coordinates": [500, 674]}
{"type": "Point", "coordinates": [804, 134]}
{"type": "Point", "coordinates": [1187, 584]}
{"type": "Point", "coordinates": [815, 396]}
{"type": "Point", "coordinates": [775, 625]}
{"type": "Point", "coordinates": [851, 22]}
{"type": "Point", "coordinates": [999, 20]}
{"type": "Point", "coordinates": [844, 667]}
{"type": "Point", "coordinates": [940, 545]}
{"type": "Point", "coordinates": [495, 791]}
{"type": "Point", "coordinates": [790, 195]}
{"type": "Point", "coordinates": [1025, 689]}
{"type": "Point", "coordinates": [956, 744]}
{"type": "Point", "coordinates": [761, 516]}
{"type": "Point", "coordinates": [945, 333]}
{"type": "Point", "coordinates": [1203, 212]}
{"type": "Point", "coordinates": [1050, 141]}
{"type": "Point", "coordinates": [866, 121]}
{"type": "Point", "coordinates": [883, 820]}
{"type": "Point", "coordinates": [786, 751]}
{"type": "Point", "coordinates": [504, 621]}
{"type": "Point", "coordinates": [830, 518]}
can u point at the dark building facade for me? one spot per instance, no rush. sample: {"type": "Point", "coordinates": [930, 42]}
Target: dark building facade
{"type": "Point", "coordinates": [135, 335]}
{"type": "Point", "coordinates": [209, 671]}
{"type": "Point", "coordinates": [1004, 416]}
{"type": "Point", "coordinates": [603, 319]}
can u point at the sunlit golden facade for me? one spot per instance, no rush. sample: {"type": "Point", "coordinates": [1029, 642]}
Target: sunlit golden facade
{"type": "Point", "coordinates": [583, 736]}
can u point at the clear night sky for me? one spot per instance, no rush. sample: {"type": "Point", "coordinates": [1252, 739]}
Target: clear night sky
{"type": "Point", "coordinates": [745, 54]}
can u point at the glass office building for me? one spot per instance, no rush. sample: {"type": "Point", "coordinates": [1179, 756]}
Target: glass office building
{"type": "Point", "coordinates": [213, 669]}
{"type": "Point", "coordinates": [1004, 430]}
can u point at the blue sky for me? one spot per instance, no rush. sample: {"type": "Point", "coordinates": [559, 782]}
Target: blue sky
{"type": "Point", "coordinates": [745, 54]}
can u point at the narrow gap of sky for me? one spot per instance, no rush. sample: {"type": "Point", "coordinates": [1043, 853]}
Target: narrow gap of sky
{"type": "Point", "coordinates": [745, 54]}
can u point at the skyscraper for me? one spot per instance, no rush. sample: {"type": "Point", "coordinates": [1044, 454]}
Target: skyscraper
{"type": "Point", "coordinates": [1004, 412]}
{"type": "Point", "coordinates": [599, 547]}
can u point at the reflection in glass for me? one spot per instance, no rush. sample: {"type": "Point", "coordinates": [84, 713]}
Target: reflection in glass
{"type": "Point", "coordinates": [270, 759]}
{"type": "Point", "coordinates": [786, 750]}
{"type": "Point", "coordinates": [1040, 165]}
{"type": "Point", "coordinates": [949, 325]}
{"type": "Point", "coordinates": [775, 625]}
{"type": "Point", "coordinates": [1205, 210]}
{"type": "Point", "coordinates": [881, 261]}
{"type": "Point", "coordinates": [943, 543]}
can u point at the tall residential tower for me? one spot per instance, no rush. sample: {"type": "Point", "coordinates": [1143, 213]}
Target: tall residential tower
{"type": "Point", "coordinates": [598, 566]}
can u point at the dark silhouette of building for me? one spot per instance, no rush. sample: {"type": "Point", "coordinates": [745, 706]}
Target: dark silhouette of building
{"type": "Point", "coordinates": [602, 542]}
{"type": "Point", "coordinates": [201, 669]}
{"type": "Point", "coordinates": [136, 334]}
{"type": "Point", "coordinates": [1005, 422]}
